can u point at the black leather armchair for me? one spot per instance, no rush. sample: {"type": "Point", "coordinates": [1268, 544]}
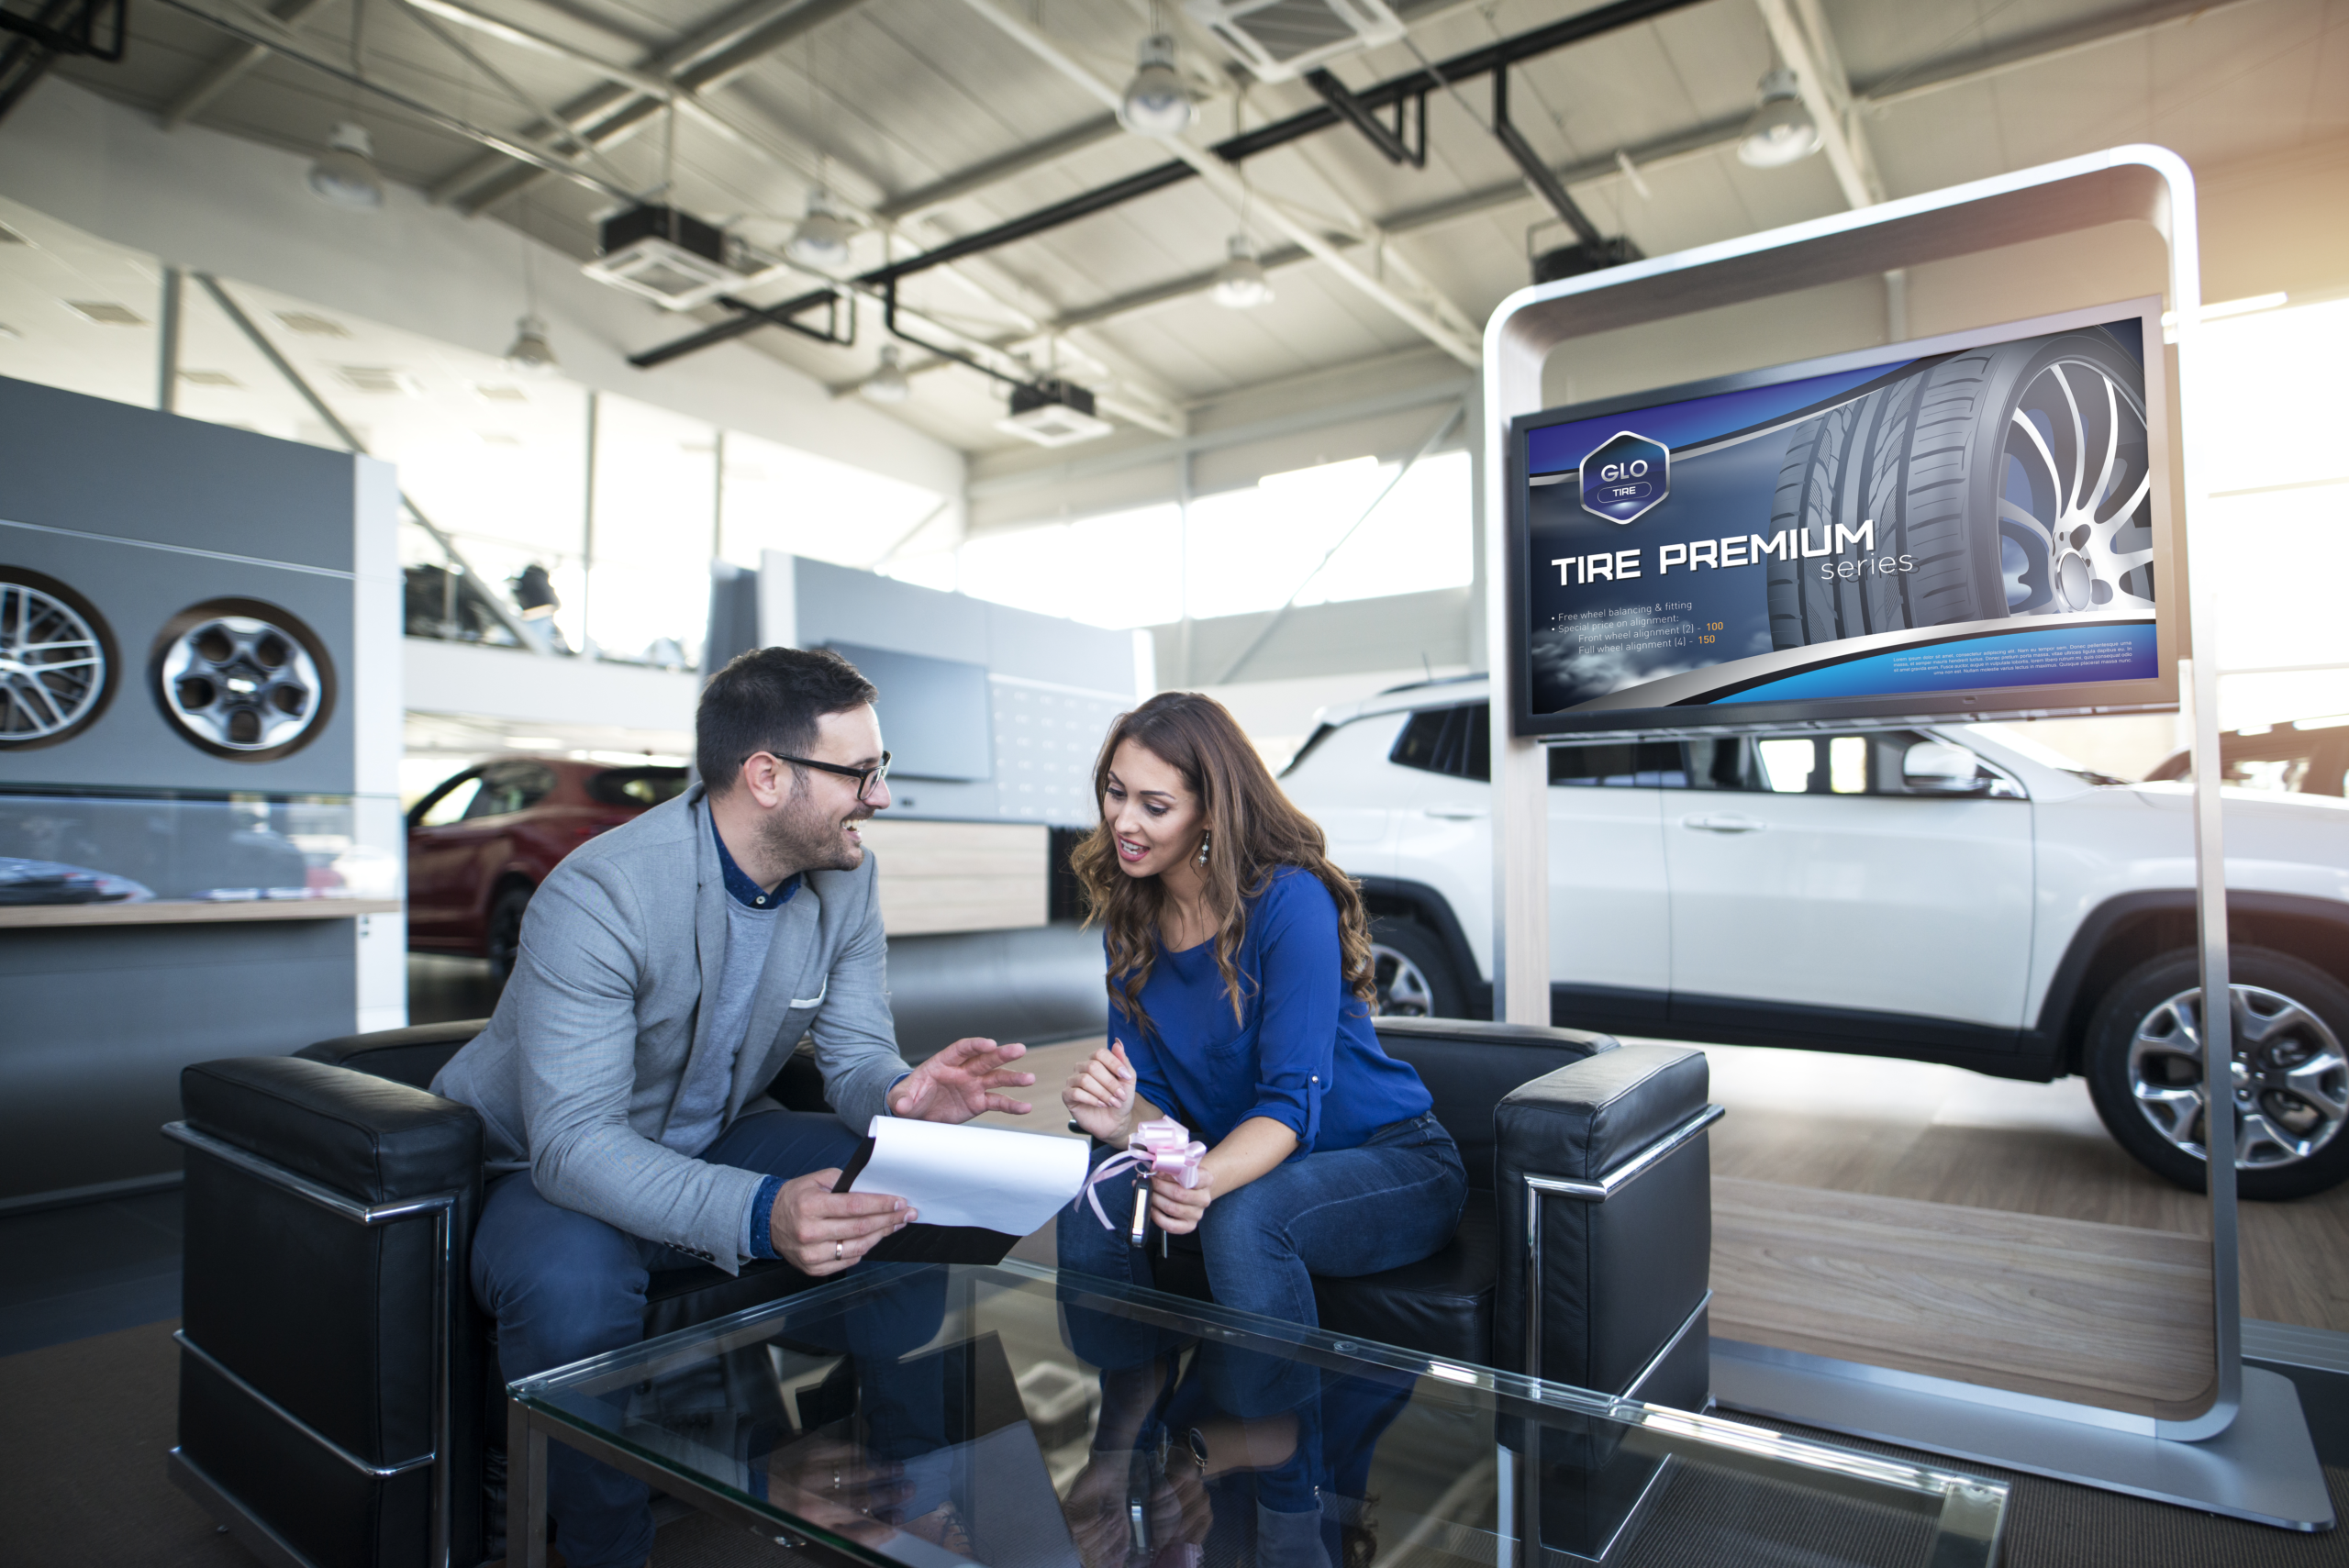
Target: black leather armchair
{"type": "Point", "coordinates": [335, 1378]}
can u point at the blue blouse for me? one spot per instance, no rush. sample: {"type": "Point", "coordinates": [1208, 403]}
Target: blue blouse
{"type": "Point", "coordinates": [1302, 1052]}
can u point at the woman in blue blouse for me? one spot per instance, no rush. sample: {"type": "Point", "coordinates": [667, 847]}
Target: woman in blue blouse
{"type": "Point", "coordinates": [1239, 986]}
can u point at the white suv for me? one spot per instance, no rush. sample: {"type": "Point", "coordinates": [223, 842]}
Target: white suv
{"type": "Point", "coordinates": [1948, 895]}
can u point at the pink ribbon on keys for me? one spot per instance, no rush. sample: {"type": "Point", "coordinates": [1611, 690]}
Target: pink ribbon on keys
{"type": "Point", "coordinates": [1162, 1148]}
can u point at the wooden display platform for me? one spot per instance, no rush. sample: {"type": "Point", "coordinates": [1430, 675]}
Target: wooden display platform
{"type": "Point", "coordinates": [2104, 1315]}
{"type": "Point", "coordinates": [937, 877]}
{"type": "Point", "coordinates": [191, 912]}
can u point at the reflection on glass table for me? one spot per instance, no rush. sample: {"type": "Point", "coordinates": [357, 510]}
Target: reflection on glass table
{"type": "Point", "coordinates": [932, 1415]}
{"type": "Point", "coordinates": [218, 848]}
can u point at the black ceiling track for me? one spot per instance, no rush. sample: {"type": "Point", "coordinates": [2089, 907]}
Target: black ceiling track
{"type": "Point", "coordinates": [1492, 59]}
{"type": "Point", "coordinates": [95, 28]}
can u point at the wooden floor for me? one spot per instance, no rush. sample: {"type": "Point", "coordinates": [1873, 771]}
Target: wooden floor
{"type": "Point", "coordinates": [1904, 1129]}
{"type": "Point", "coordinates": [2103, 1315]}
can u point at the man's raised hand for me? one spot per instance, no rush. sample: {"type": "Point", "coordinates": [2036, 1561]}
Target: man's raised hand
{"type": "Point", "coordinates": [819, 1231]}
{"type": "Point", "coordinates": [961, 1081]}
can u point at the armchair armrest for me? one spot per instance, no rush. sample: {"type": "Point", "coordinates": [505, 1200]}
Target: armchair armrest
{"type": "Point", "coordinates": [1605, 1197]}
{"type": "Point", "coordinates": [370, 1138]}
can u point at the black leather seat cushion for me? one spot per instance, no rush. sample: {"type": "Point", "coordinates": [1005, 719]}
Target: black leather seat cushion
{"type": "Point", "coordinates": [372, 1138]}
{"type": "Point", "coordinates": [1440, 1306]}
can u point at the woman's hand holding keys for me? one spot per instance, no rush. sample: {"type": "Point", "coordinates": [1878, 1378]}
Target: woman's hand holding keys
{"type": "Point", "coordinates": [1100, 1094]}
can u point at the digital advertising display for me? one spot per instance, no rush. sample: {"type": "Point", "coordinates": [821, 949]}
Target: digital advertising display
{"type": "Point", "coordinates": [1968, 526]}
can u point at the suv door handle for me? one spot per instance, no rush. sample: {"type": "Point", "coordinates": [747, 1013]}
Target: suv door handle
{"type": "Point", "coordinates": [1723, 824]}
{"type": "Point", "coordinates": [1455, 813]}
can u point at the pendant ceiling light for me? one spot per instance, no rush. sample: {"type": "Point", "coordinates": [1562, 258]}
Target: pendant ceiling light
{"type": "Point", "coordinates": [1156, 103]}
{"type": "Point", "coordinates": [888, 385]}
{"type": "Point", "coordinates": [345, 173]}
{"type": "Point", "coordinates": [1240, 282]}
{"type": "Point", "coordinates": [530, 353]}
{"type": "Point", "coordinates": [1781, 130]}
{"type": "Point", "coordinates": [822, 238]}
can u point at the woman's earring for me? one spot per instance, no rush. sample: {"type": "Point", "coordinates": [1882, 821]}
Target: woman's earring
{"type": "Point", "coordinates": [1206, 839]}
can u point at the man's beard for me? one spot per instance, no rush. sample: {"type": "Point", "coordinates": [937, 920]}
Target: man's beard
{"type": "Point", "coordinates": [802, 836]}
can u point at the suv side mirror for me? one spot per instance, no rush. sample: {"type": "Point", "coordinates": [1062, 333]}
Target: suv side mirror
{"type": "Point", "coordinates": [1935, 767]}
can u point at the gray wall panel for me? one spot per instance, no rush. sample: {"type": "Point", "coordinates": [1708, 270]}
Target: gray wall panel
{"type": "Point", "coordinates": [95, 466]}
{"type": "Point", "coordinates": [101, 1021]}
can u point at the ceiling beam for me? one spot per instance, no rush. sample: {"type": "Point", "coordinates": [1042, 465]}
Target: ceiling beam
{"type": "Point", "coordinates": [2039, 49]}
{"type": "Point", "coordinates": [1808, 50]}
{"type": "Point", "coordinates": [222, 73]}
{"type": "Point", "coordinates": [1264, 138]}
{"type": "Point", "coordinates": [698, 63]}
{"type": "Point", "coordinates": [1432, 316]}
{"type": "Point", "coordinates": [994, 171]}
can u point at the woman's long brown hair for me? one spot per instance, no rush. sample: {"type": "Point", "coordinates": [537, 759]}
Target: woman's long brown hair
{"type": "Point", "coordinates": [1254, 833]}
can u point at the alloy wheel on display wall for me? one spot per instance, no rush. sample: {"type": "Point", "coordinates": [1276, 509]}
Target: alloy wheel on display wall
{"type": "Point", "coordinates": [243, 679]}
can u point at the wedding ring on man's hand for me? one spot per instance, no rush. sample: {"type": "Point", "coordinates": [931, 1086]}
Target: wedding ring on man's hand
{"type": "Point", "coordinates": [836, 1251]}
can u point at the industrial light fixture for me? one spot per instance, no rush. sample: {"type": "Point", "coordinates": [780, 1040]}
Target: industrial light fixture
{"type": "Point", "coordinates": [1781, 130]}
{"type": "Point", "coordinates": [530, 353]}
{"type": "Point", "coordinates": [888, 385]}
{"type": "Point", "coordinates": [344, 174]}
{"type": "Point", "coordinates": [1240, 282]}
{"type": "Point", "coordinates": [1156, 103]}
{"type": "Point", "coordinates": [822, 238]}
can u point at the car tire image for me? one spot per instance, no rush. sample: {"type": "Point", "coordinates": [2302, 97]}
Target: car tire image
{"type": "Point", "coordinates": [2013, 480]}
{"type": "Point", "coordinates": [2290, 1096]}
{"type": "Point", "coordinates": [505, 930]}
{"type": "Point", "coordinates": [1415, 978]}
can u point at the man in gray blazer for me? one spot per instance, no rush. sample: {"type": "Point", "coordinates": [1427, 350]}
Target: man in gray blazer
{"type": "Point", "coordinates": [666, 971]}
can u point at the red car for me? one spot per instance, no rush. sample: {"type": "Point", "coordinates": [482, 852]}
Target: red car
{"type": "Point", "coordinates": [479, 845]}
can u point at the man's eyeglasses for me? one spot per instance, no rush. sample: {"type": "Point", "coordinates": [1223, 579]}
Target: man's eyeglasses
{"type": "Point", "coordinates": [865, 777]}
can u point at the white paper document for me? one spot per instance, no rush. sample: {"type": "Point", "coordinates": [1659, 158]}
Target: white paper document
{"type": "Point", "coordinates": [1010, 1182]}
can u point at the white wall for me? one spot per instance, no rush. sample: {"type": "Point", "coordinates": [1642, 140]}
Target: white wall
{"type": "Point", "coordinates": [202, 200]}
{"type": "Point", "coordinates": [507, 684]}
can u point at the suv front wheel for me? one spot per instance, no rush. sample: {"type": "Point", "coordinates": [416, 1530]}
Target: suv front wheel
{"type": "Point", "coordinates": [2290, 1090]}
{"type": "Point", "coordinates": [1415, 979]}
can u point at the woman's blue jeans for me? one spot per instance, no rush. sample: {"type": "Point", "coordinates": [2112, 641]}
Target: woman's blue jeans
{"type": "Point", "coordinates": [1339, 1212]}
{"type": "Point", "coordinates": [1393, 1200]}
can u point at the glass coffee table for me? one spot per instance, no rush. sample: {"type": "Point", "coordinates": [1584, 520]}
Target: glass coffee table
{"type": "Point", "coordinates": [936, 1416]}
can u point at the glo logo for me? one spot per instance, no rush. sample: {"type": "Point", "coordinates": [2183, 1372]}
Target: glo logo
{"type": "Point", "coordinates": [1625, 476]}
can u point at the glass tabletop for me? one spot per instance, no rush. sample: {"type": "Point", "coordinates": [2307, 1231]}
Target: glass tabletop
{"type": "Point", "coordinates": [937, 1414]}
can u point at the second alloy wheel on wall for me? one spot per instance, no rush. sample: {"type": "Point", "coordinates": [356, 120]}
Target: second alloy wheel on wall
{"type": "Point", "coordinates": [243, 679]}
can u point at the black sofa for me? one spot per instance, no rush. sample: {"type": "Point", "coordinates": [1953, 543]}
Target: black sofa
{"type": "Point", "coordinates": [336, 1385]}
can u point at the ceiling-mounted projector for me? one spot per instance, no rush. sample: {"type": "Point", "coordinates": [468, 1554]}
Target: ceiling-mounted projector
{"type": "Point", "coordinates": [1277, 39]}
{"type": "Point", "coordinates": [669, 257]}
{"type": "Point", "coordinates": [1053, 412]}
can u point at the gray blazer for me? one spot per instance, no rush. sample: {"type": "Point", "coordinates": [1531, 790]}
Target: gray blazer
{"type": "Point", "coordinates": [580, 1068]}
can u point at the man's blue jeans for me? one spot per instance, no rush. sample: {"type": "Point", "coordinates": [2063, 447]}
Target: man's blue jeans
{"type": "Point", "coordinates": [563, 1287]}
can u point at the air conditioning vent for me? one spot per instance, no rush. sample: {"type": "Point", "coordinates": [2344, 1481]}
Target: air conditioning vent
{"type": "Point", "coordinates": [1053, 412]}
{"type": "Point", "coordinates": [671, 258]}
{"type": "Point", "coordinates": [1277, 39]}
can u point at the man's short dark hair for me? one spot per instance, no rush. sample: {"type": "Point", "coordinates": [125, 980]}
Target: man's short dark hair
{"type": "Point", "coordinates": [770, 700]}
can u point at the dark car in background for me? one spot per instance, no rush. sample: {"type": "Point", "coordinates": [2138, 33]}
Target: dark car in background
{"type": "Point", "coordinates": [480, 844]}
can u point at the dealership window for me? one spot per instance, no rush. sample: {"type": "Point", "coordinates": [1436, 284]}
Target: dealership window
{"type": "Point", "coordinates": [1248, 550]}
{"type": "Point", "coordinates": [1115, 570]}
{"type": "Point", "coordinates": [778, 497]}
{"type": "Point", "coordinates": [654, 530]}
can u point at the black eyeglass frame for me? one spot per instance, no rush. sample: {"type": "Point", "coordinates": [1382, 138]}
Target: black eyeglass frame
{"type": "Point", "coordinates": [865, 777]}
